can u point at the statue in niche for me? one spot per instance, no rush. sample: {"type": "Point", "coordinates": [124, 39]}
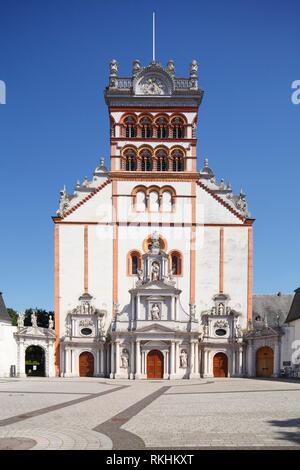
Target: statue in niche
{"type": "Point", "coordinates": [124, 359]}
{"type": "Point", "coordinates": [155, 312]}
{"type": "Point", "coordinates": [155, 272]}
{"type": "Point", "coordinates": [205, 330]}
{"type": "Point", "coordinates": [33, 318]}
{"type": "Point", "coordinates": [140, 274]}
{"type": "Point", "coordinates": [183, 359]}
{"type": "Point", "coordinates": [221, 309]}
{"type": "Point", "coordinates": [51, 323]}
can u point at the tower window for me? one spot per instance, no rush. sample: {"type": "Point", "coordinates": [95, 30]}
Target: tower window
{"type": "Point", "coordinates": [178, 128]}
{"type": "Point", "coordinates": [130, 160]}
{"type": "Point", "coordinates": [176, 263]}
{"type": "Point", "coordinates": [146, 162]}
{"type": "Point", "coordinates": [178, 161]}
{"type": "Point", "coordinates": [130, 127]}
{"type": "Point", "coordinates": [133, 263]}
{"type": "Point", "coordinates": [162, 161]}
{"type": "Point", "coordinates": [146, 128]}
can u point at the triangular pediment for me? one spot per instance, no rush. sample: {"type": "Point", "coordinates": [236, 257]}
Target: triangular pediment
{"type": "Point", "coordinates": [155, 327]}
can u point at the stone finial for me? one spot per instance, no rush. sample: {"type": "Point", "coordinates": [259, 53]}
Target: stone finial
{"type": "Point", "coordinates": [205, 162]}
{"type": "Point", "coordinates": [64, 202]}
{"type": "Point", "coordinates": [113, 68]}
{"type": "Point", "coordinates": [171, 67]}
{"type": "Point", "coordinates": [136, 67]}
{"type": "Point", "coordinates": [85, 182]}
{"type": "Point", "coordinates": [194, 69]}
{"type": "Point", "coordinates": [77, 185]}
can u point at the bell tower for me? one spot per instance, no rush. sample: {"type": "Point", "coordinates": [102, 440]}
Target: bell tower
{"type": "Point", "coordinates": [153, 120]}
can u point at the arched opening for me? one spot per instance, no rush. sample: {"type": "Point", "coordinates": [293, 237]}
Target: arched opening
{"type": "Point", "coordinates": [130, 160]}
{"type": "Point", "coordinates": [134, 262]}
{"type": "Point", "coordinates": [130, 127]}
{"type": "Point", "coordinates": [162, 160]}
{"type": "Point", "coordinates": [146, 127]}
{"type": "Point", "coordinates": [175, 263]}
{"type": "Point", "coordinates": [220, 365]}
{"type": "Point", "coordinates": [264, 362]}
{"type": "Point", "coordinates": [35, 361]}
{"type": "Point", "coordinates": [86, 364]}
{"type": "Point", "coordinates": [162, 128]}
{"type": "Point", "coordinates": [155, 364]}
{"type": "Point", "coordinates": [178, 128]}
{"type": "Point", "coordinates": [178, 160]}
{"type": "Point", "coordinates": [146, 160]}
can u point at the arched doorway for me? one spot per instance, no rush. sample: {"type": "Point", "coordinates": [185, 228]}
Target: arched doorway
{"type": "Point", "coordinates": [264, 362]}
{"type": "Point", "coordinates": [86, 364]}
{"type": "Point", "coordinates": [155, 365]}
{"type": "Point", "coordinates": [35, 361]}
{"type": "Point", "coordinates": [220, 365]}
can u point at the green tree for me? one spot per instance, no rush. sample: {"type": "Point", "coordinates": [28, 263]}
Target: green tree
{"type": "Point", "coordinates": [42, 316]}
{"type": "Point", "coordinates": [13, 315]}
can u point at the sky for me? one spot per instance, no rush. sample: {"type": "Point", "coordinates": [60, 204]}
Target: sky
{"type": "Point", "coordinates": [54, 58]}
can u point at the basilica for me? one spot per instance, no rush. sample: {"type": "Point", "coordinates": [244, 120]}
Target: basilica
{"type": "Point", "coordinates": [153, 253]}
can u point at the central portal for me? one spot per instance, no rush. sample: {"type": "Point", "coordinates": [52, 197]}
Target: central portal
{"type": "Point", "coordinates": [155, 365]}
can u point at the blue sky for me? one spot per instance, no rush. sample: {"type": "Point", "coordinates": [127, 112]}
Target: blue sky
{"type": "Point", "coordinates": [54, 59]}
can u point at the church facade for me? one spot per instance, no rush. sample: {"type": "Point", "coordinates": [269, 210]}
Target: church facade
{"type": "Point", "coordinates": [153, 256]}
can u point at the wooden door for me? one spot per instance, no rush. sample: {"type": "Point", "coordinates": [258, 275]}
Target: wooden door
{"type": "Point", "coordinates": [220, 365]}
{"type": "Point", "coordinates": [264, 362]}
{"type": "Point", "coordinates": [155, 365]}
{"type": "Point", "coordinates": [86, 364]}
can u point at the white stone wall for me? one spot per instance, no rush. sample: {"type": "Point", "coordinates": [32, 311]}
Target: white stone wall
{"type": "Point", "coordinates": [8, 349]}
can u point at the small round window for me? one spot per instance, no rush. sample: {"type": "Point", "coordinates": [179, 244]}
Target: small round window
{"type": "Point", "coordinates": [220, 332]}
{"type": "Point", "coordinates": [86, 331]}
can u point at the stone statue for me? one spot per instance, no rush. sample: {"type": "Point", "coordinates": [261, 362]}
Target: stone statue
{"type": "Point", "coordinates": [221, 309]}
{"type": "Point", "coordinates": [241, 203]}
{"type": "Point", "coordinates": [124, 359]}
{"type": "Point", "coordinates": [140, 274]}
{"type": "Point", "coordinates": [68, 329]}
{"type": "Point", "coordinates": [192, 311]}
{"type": "Point", "coordinates": [155, 272]}
{"type": "Point", "coordinates": [155, 312]}
{"type": "Point", "coordinates": [136, 67]}
{"type": "Point", "coordinates": [113, 68]}
{"type": "Point", "coordinates": [171, 276]}
{"type": "Point", "coordinates": [33, 318]}
{"type": "Point", "coordinates": [64, 202]}
{"type": "Point", "coordinates": [20, 321]}
{"type": "Point", "coordinates": [171, 67]}
{"type": "Point", "coordinates": [194, 69]}
{"type": "Point", "coordinates": [51, 323]}
{"type": "Point", "coordinates": [205, 330]}
{"type": "Point", "coordinates": [183, 359]}
{"type": "Point", "coordinates": [155, 246]}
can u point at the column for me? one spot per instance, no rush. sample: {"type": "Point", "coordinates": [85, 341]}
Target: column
{"type": "Point", "coordinates": [137, 311]}
{"type": "Point", "coordinates": [250, 360]}
{"type": "Point", "coordinates": [172, 360]}
{"type": "Point", "coordinates": [73, 363]}
{"type": "Point", "coordinates": [131, 375]}
{"type": "Point", "coordinates": [67, 363]}
{"type": "Point", "coordinates": [177, 357]}
{"type": "Point", "coordinates": [208, 372]}
{"type": "Point", "coordinates": [117, 372]}
{"type": "Point", "coordinates": [166, 365]}
{"type": "Point", "coordinates": [233, 363]}
{"type": "Point", "coordinates": [192, 364]}
{"type": "Point", "coordinates": [22, 372]}
{"type": "Point", "coordinates": [241, 362]}
{"type": "Point", "coordinates": [276, 360]}
{"type": "Point", "coordinates": [137, 360]}
{"type": "Point", "coordinates": [197, 358]}
{"type": "Point", "coordinates": [112, 360]}
{"type": "Point", "coordinates": [173, 308]}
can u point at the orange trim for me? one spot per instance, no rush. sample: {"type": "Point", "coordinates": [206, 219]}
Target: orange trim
{"type": "Point", "coordinates": [220, 200]}
{"type": "Point", "coordinates": [162, 242]}
{"type": "Point", "coordinates": [115, 244]}
{"type": "Point", "coordinates": [129, 261]}
{"type": "Point", "coordinates": [86, 198]}
{"type": "Point", "coordinates": [159, 109]}
{"type": "Point", "coordinates": [194, 157]}
{"type": "Point", "coordinates": [179, 256]}
{"type": "Point", "coordinates": [86, 258]}
{"type": "Point", "coordinates": [193, 247]}
{"type": "Point", "coordinates": [221, 274]}
{"type": "Point", "coordinates": [250, 273]}
{"type": "Point", "coordinates": [56, 300]}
